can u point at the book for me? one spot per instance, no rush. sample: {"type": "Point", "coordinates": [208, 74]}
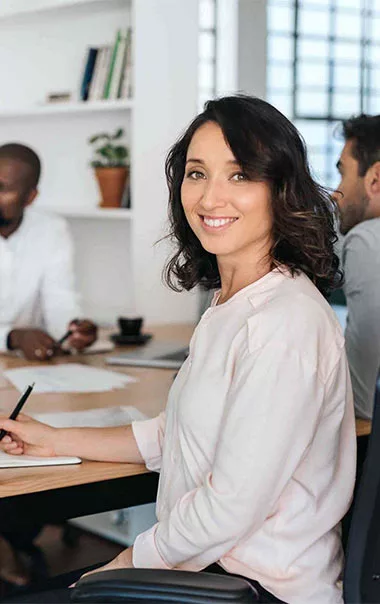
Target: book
{"type": "Point", "coordinates": [125, 89]}
{"type": "Point", "coordinates": [118, 69]}
{"type": "Point", "coordinates": [104, 67]}
{"type": "Point", "coordinates": [87, 73]}
{"type": "Point", "coordinates": [24, 461]}
{"type": "Point", "coordinates": [95, 76]}
{"type": "Point", "coordinates": [112, 64]}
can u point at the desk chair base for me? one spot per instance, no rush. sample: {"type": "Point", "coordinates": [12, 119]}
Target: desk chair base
{"type": "Point", "coordinates": [159, 586]}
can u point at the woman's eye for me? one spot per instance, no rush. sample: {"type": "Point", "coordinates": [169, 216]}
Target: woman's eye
{"type": "Point", "coordinates": [239, 176]}
{"type": "Point", "coordinates": [195, 175]}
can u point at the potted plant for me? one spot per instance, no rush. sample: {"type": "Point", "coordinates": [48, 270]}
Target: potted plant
{"type": "Point", "coordinates": [111, 166]}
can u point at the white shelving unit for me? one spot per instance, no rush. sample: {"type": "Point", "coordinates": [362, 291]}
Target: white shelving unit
{"type": "Point", "coordinates": [71, 211]}
{"type": "Point", "coordinates": [65, 108]}
{"type": "Point", "coordinates": [43, 44]}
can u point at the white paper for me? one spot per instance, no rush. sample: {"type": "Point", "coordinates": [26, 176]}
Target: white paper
{"type": "Point", "coordinates": [23, 461]}
{"type": "Point", "coordinates": [68, 377]}
{"type": "Point", "coordinates": [94, 418]}
{"type": "Point", "coordinates": [97, 347]}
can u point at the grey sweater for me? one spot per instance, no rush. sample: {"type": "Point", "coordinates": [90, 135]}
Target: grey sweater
{"type": "Point", "coordinates": [361, 264]}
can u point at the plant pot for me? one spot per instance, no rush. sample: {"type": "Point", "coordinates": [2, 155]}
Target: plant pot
{"type": "Point", "coordinates": [112, 182]}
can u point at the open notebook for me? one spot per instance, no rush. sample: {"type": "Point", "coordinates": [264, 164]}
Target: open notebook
{"type": "Point", "coordinates": [97, 418]}
{"type": "Point", "coordinates": [24, 461]}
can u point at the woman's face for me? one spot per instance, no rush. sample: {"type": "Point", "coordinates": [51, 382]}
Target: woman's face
{"type": "Point", "coordinates": [230, 215]}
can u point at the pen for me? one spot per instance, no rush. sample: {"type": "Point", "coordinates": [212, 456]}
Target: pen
{"type": "Point", "coordinates": [64, 338]}
{"type": "Point", "coordinates": [21, 402]}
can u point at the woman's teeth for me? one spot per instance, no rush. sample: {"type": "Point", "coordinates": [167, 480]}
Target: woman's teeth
{"type": "Point", "coordinates": [217, 222]}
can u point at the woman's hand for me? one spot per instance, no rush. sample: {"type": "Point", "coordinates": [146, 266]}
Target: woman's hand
{"type": "Point", "coordinates": [28, 436]}
{"type": "Point", "coordinates": [123, 560]}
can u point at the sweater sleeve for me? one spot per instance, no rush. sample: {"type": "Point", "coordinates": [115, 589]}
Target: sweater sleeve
{"type": "Point", "coordinates": [363, 327]}
{"type": "Point", "coordinates": [273, 390]}
{"type": "Point", "coordinates": [149, 435]}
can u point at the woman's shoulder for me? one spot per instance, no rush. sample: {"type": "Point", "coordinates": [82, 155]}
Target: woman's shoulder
{"type": "Point", "coordinates": [297, 318]}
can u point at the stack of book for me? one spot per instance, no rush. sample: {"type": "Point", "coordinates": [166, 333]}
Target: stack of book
{"type": "Point", "coordinates": [108, 70]}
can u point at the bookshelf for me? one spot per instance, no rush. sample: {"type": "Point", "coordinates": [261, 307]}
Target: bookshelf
{"type": "Point", "coordinates": [43, 44]}
{"type": "Point", "coordinates": [71, 211]}
{"type": "Point", "coordinates": [14, 8]}
{"type": "Point", "coordinates": [67, 107]}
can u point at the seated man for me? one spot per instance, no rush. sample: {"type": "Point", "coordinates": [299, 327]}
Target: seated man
{"type": "Point", "coordinates": [358, 197]}
{"type": "Point", "coordinates": [38, 302]}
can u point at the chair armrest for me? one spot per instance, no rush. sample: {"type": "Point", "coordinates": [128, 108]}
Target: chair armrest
{"type": "Point", "coordinates": [150, 585]}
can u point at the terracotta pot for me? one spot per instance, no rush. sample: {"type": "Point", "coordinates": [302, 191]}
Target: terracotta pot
{"type": "Point", "coordinates": [112, 182]}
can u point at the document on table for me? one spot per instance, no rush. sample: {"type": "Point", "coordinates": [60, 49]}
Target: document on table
{"type": "Point", "coordinates": [94, 418]}
{"type": "Point", "coordinates": [24, 461]}
{"type": "Point", "coordinates": [68, 377]}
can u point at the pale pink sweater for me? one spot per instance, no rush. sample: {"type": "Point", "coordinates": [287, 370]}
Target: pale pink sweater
{"type": "Point", "coordinates": [257, 448]}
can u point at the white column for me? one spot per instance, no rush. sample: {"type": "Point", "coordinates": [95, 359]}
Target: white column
{"type": "Point", "coordinates": [166, 86]}
{"type": "Point", "coordinates": [252, 27]}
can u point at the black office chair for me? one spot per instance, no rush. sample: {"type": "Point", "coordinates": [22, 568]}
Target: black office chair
{"type": "Point", "coordinates": [163, 586]}
{"type": "Point", "coordinates": [362, 570]}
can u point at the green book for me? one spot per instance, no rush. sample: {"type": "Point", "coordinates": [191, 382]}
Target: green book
{"type": "Point", "coordinates": [112, 64]}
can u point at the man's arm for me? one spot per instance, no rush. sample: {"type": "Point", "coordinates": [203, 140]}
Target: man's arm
{"type": "Point", "coordinates": [362, 290]}
{"type": "Point", "coordinates": [59, 299]}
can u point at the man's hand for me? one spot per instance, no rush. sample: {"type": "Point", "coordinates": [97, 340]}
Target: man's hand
{"type": "Point", "coordinates": [28, 436]}
{"type": "Point", "coordinates": [35, 344]}
{"type": "Point", "coordinates": [84, 333]}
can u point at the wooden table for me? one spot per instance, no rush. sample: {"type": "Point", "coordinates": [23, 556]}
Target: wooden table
{"type": "Point", "coordinates": [55, 493]}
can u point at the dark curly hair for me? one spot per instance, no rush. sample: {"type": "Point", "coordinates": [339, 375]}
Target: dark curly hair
{"type": "Point", "coordinates": [269, 149]}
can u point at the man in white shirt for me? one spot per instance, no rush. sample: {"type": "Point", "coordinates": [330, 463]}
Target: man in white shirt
{"type": "Point", "coordinates": [38, 301]}
{"type": "Point", "coordinates": [358, 197]}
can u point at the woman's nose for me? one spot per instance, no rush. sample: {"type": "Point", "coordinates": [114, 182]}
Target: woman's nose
{"type": "Point", "coordinates": [214, 196]}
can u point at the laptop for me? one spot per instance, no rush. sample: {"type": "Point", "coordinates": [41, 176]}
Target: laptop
{"type": "Point", "coordinates": [167, 355]}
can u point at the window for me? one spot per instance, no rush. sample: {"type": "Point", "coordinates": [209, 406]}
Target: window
{"type": "Point", "coordinates": [323, 66]}
{"type": "Point", "coordinates": [207, 50]}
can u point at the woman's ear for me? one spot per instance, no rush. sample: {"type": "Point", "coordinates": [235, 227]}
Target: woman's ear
{"type": "Point", "coordinates": [372, 181]}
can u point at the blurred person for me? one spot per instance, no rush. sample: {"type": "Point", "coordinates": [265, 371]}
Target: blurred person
{"type": "Point", "coordinates": [358, 198]}
{"type": "Point", "coordinates": [38, 301]}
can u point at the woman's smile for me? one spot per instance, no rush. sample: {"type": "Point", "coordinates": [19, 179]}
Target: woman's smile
{"type": "Point", "coordinates": [215, 224]}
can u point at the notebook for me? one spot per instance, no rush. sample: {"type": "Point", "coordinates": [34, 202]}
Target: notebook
{"type": "Point", "coordinates": [168, 355]}
{"type": "Point", "coordinates": [24, 461]}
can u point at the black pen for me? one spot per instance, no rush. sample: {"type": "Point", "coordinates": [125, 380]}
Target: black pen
{"type": "Point", "coordinates": [64, 338]}
{"type": "Point", "coordinates": [21, 402]}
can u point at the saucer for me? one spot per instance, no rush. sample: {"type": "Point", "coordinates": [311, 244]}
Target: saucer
{"type": "Point", "coordinates": [136, 340]}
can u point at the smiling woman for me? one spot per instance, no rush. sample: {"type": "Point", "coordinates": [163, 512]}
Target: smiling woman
{"type": "Point", "coordinates": [242, 159]}
{"type": "Point", "coordinates": [256, 448]}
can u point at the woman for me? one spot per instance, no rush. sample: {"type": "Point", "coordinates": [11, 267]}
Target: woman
{"type": "Point", "coordinates": [257, 447]}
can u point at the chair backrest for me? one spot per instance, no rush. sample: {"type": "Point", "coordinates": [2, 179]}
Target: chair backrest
{"type": "Point", "coordinates": [362, 568]}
